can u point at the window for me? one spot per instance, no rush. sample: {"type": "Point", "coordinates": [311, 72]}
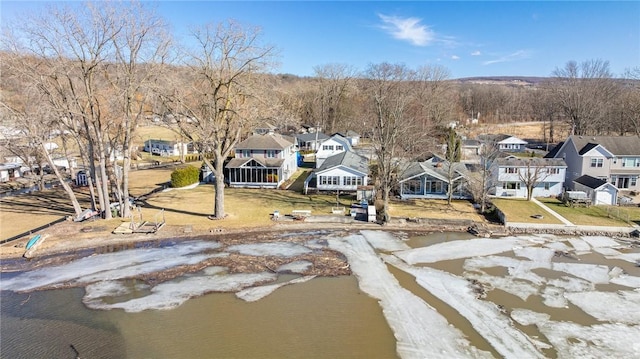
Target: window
{"type": "Point", "coordinates": [553, 170]}
{"type": "Point", "coordinates": [434, 187]}
{"type": "Point", "coordinates": [596, 162]}
{"type": "Point", "coordinates": [271, 153]}
{"type": "Point", "coordinates": [511, 185]}
{"type": "Point", "coordinates": [412, 187]}
{"type": "Point", "coordinates": [634, 181]}
{"type": "Point", "coordinates": [547, 185]}
{"type": "Point", "coordinates": [631, 162]}
{"type": "Point", "coordinates": [511, 170]}
{"type": "Point", "coordinates": [327, 147]}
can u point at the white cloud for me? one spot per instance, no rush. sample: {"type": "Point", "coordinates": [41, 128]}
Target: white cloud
{"type": "Point", "coordinates": [518, 55]}
{"type": "Point", "coordinates": [476, 53]}
{"type": "Point", "coordinates": [407, 29]}
{"type": "Point", "coordinates": [455, 57]}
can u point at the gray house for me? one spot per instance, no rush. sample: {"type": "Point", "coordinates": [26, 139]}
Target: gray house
{"type": "Point", "coordinates": [600, 191]}
{"type": "Point", "coordinates": [430, 179]}
{"type": "Point", "coordinates": [310, 141]}
{"type": "Point", "coordinates": [614, 159]}
{"type": "Point", "coordinates": [345, 171]}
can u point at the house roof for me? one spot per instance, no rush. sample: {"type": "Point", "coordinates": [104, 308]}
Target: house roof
{"type": "Point", "coordinates": [305, 137]}
{"type": "Point", "coordinates": [265, 142]}
{"type": "Point", "coordinates": [347, 159]}
{"type": "Point", "coordinates": [433, 167]}
{"type": "Point", "coordinates": [345, 143]}
{"type": "Point", "coordinates": [590, 181]}
{"type": "Point", "coordinates": [266, 162]}
{"type": "Point", "coordinates": [347, 134]}
{"type": "Point", "coordinates": [554, 151]}
{"type": "Point", "coordinates": [617, 145]}
{"type": "Point", "coordinates": [530, 161]}
{"type": "Point", "coordinates": [471, 143]}
{"type": "Point", "coordinates": [499, 138]}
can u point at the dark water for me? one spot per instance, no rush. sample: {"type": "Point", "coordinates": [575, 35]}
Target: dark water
{"type": "Point", "coordinates": [322, 318]}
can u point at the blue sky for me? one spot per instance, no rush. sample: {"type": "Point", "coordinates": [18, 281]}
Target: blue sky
{"type": "Point", "coordinates": [470, 38]}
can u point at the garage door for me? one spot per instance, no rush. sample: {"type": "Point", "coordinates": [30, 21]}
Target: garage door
{"type": "Point", "coordinates": [604, 197]}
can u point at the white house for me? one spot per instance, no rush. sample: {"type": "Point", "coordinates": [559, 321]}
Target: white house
{"type": "Point", "coordinates": [505, 143]}
{"type": "Point", "coordinates": [600, 191]}
{"type": "Point", "coordinates": [310, 141]}
{"type": "Point", "coordinates": [352, 136]}
{"type": "Point", "coordinates": [165, 148]}
{"type": "Point", "coordinates": [10, 171]}
{"type": "Point", "coordinates": [344, 171]}
{"type": "Point", "coordinates": [511, 175]}
{"type": "Point", "coordinates": [331, 146]}
{"type": "Point", "coordinates": [262, 161]}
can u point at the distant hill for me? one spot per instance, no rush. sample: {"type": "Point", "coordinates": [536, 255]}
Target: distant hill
{"type": "Point", "coordinates": [503, 80]}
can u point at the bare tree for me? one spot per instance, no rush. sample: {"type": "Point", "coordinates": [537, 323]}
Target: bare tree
{"type": "Point", "coordinates": [480, 182]}
{"type": "Point", "coordinates": [531, 174]}
{"type": "Point", "coordinates": [582, 91]}
{"type": "Point", "coordinates": [394, 134]}
{"type": "Point", "coordinates": [334, 82]}
{"type": "Point", "coordinates": [434, 105]}
{"type": "Point", "coordinates": [214, 98]}
{"type": "Point", "coordinates": [453, 152]}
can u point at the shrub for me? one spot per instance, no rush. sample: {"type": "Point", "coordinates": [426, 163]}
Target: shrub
{"type": "Point", "coordinates": [185, 176]}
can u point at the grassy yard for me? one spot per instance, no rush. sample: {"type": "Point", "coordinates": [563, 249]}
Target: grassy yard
{"type": "Point", "coordinates": [521, 210]}
{"type": "Point", "coordinates": [594, 215]}
{"type": "Point", "coordinates": [182, 207]}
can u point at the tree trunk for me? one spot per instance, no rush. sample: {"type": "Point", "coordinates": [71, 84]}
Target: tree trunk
{"type": "Point", "coordinates": [218, 211]}
{"type": "Point", "coordinates": [63, 183]}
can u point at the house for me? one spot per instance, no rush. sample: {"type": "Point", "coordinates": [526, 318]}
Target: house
{"type": "Point", "coordinates": [166, 148]}
{"type": "Point", "coordinates": [262, 161]}
{"type": "Point", "coordinates": [615, 159]}
{"type": "Point", "coordinates": [430, 179]}
{"type": "Point", "coordinates": [599, 190]}
{"type": "Point", "coordinates": [306, 128]}
{"type": "Point", "coordinates": [10, 171]}
{"type": "Point", "coordinates": [310, 141]}
{"type": "Point", "coordinates": [345, 171]}
{"type": "Point", "coordinates": [511, 175]}
{"type": "Point", "coordinates": [470, 151]}
{"type": "Point", "coordinates": [331, 146]}
{"type": "Point", "coordinates": [352, 136]}
{"type": "Point", "coordinates": [506, 143]}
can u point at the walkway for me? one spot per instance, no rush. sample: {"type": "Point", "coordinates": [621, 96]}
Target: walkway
{"type": "Point", "coordinates": [553, 213]}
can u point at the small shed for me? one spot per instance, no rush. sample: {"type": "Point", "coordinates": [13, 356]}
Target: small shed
{"type": "Point", "coordinates": [599, 191]}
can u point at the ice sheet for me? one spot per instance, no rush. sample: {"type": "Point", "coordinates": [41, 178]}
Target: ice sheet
{"type": "Point", "coordinates": [460, 249]}
{"type": "Point", "coordinates": [621, 307]}
{"type": "Point", "coordinates": [384, 241]}
{"type": "Point", "coordinates": [485, 317]}
{"type": "Point", "coordinates": [594, 273]}
{"type": "Point", "coordinates": [294, 267]}
{"type": "Point", "coordinates": [599, 241]}
{"type": "Point", "coordinates": [256, 293]}
{"type": "Point", "coordinates": [421, 332]}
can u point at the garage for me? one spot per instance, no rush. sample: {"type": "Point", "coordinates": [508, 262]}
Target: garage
{"type": "Point", "coordinates": [600, 191]}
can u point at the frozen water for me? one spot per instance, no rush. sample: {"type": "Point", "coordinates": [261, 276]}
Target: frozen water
{"type": "Point", "coordinates": [627, 280]}
{"type": "Point", "coordinates": [171, 294]}
{"type": "Point", "coordinates": [112, 266]}
{"type": "Point", "coordinates": [384, 241]}
{"type": "Point", "coordinates": [572, 284]}
{"type": "Point", "coordinates": [483, 316]}
{"type": "Point", "coordinates": [280, 249]}
{"type": "Point", "coordinates": [421, 332]}
{"type": "Point", "coordinates": [619, 307]}
{"type": "Point", "coordinates": [460, 249]}
{"type": "Point", "coordinates": [294, 267]}
{"type": "Point", "coordinates": [599, 241]}
{"type": "Point", "coordinates": [594, 273]}
{"type": "Point", "coordinates": [256, 293]}
{"type": "Point", "coordinates": [518, 288]}
{"type": "Point", "coordinates": [579, 245]}
{"type": "Point", "coordinates": [554, 297]}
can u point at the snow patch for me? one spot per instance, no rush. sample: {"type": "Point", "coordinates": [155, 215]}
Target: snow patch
{"type": "Point", "coordinates": [256, 293]}
{"type": "Point", "coordinates": [294, 267]}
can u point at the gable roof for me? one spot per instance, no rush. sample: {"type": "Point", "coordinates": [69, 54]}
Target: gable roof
{"type": "Point", "coordinates": [499, 138]}
{"type": "Point", "coordinates": [554, 151]}
{"type": "Point", "coordinates": [347, 159]}
{"type": "Point", "coordinates": [590, 181]}
{"type": "Point", "coordinates": [306, 137]}
{"type": "Point", "coordinates": [433, 167]}
{"type": "Point", "coordinates": [617, 145]}
{"type": "Point", "coordinates": [265, 142]}
{"type": "Point", "coordinates": [343, 141]}
{"type": "Point", "coordinates": [531, 161]}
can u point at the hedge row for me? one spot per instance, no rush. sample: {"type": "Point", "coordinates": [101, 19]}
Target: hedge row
{"type": "Point", "coordinates": [185, 176]}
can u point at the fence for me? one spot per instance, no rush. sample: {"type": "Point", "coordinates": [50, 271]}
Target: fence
{"type": "Point", "coordinates": [31, 231]}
